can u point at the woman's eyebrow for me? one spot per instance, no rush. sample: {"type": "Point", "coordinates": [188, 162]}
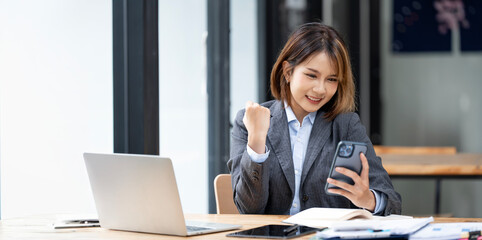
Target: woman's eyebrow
{"type": "Point", "coordinates": [313, 70]}
{"type": "Point", "coordinates": [316, 71]}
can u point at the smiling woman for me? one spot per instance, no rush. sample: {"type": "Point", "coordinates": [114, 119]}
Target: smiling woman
{"type": "Point", "coordinates": [312, 84]}
{"type": "Point", "coordinates": [302, 47]}
{"type": "Point", "coordinates": [282, 149]}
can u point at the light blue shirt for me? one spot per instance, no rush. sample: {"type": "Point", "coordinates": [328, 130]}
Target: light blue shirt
{"type": "Point", "coordinates": [299, 137]}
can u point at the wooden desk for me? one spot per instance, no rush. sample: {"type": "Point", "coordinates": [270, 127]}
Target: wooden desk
{"type": "Point", "coordinates": [456, 165]}
{"type": "Point", "coordinates": [40, 227]}
{"type": "Point", "coordinates": [461, 165]}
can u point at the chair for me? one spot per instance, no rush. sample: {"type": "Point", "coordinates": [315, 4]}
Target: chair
{"type": "Point", "coordinates": [223, 193]}
{"type": "Point", "coordinates": [419, 151]}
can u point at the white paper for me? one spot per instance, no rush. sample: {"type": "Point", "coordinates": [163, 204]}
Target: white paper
{"type": "Point", "coordinates": [325, 217]}
{"type": "Point", "coordinates": [384, 228]}
{"type": "Point", "coordinates": [445, 230]}
{"type": "Point", "coordinates": [330, 233]}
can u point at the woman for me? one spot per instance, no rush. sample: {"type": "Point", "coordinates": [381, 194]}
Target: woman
{"type": "Point", "coordinates": [282, 150]}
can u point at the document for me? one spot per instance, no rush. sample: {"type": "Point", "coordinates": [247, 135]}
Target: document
{"type": "Point", "coordinates": [374, 228]}
{"type": "Point", "coordinates": [446, 230]}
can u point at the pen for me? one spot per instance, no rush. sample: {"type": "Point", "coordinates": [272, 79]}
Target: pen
{"type": "Point", "coordinates": [290, 229]}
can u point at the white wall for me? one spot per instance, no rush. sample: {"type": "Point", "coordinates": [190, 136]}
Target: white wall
{"type": "Point", "coordinates": [55, 102]}
{"type": "Point", "coordinates": [433, 99]}
{"type": "Point", "coordinates": [183, 98]}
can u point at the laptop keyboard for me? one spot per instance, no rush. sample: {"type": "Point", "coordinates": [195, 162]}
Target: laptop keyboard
{"type": "Point", "coordinates": [194, 228]}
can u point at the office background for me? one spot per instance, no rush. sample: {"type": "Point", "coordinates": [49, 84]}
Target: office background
{"type": "Point", "coordinates": [56, 97]}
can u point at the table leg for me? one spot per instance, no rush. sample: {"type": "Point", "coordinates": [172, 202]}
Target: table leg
{"type": "Point", "coordinates": [437, 195]}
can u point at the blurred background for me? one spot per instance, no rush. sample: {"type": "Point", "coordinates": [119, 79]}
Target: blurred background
{"type": "Point", "coordinates": [167, 77]}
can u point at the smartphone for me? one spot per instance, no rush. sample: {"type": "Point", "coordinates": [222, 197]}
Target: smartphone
{"type": "Point", "coordinates": [347, 155]}
{"type": "Point", "coordinates": [275, 231]}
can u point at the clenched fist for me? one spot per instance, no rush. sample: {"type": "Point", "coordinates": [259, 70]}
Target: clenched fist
{"type": "Point", "coordinates": [256, 119]}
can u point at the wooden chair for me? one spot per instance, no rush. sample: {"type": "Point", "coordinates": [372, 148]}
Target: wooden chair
{"type": "Point", "coordinates": [402, 150]}
{"type": "Point", "coordinates": [223, 193]}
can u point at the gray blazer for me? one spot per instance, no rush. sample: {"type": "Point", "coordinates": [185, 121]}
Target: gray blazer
{"type": "Point", "coordinates": [269, 187]}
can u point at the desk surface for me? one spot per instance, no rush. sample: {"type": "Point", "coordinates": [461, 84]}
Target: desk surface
{"type": "Point", "coordinates": [461, 164]}
{"type": "Point", "coordinates": [40, 227]}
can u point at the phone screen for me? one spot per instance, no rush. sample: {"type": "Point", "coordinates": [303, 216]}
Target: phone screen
{"type": "Point", "coordinates": [274, 231]}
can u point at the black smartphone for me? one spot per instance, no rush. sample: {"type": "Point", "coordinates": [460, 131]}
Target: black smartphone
{"type": "Point", "coordinates": [275, 231]}
{"type": "Point", "coordinates": [347, 155]}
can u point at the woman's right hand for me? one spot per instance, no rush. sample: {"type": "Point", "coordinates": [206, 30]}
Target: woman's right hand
{"type": "Point", "coordinates": [256, 119]}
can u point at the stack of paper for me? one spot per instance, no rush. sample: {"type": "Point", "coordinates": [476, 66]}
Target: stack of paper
{"type": "Point", "coordinates": [446, 230]}
{"type": "Point", "coordinates": [374, 228]}
{"type": "Point", "coordinates": [356, 223]}
{"type": "Point", "coordinates": [326, 217]}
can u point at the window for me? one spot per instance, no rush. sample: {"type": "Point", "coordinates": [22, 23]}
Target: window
{"type": "Point", "coordinates": [55, 102]}
{"type": "Point", "coordinates": [183, 98]}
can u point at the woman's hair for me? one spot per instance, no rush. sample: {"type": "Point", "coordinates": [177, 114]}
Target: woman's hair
{"type": "Point", "coordinates": [306, 41]}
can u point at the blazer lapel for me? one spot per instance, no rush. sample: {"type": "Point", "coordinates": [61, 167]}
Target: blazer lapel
{"type": "Point", "coordinates": [320, 132]}
{"type": "Point", "coordinates": [279, 137]}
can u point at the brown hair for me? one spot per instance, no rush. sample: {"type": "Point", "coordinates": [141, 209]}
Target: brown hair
{"type": "Point", "coordinates": [304, 42]}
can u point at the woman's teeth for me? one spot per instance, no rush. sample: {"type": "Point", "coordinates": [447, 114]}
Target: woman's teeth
{"type": "Point", "coordinates": [314, 99]}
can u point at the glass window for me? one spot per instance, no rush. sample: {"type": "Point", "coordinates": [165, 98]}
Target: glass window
{"type": "Point", "coordinates": [244, 54]}
{"type": "Point", "coordinates": [183, 98]}
{"type": "Point", "coordinates": [55, 102]}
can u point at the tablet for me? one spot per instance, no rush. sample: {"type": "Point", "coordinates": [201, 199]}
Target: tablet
{"type": "Point", "coordinates": [275, 231]}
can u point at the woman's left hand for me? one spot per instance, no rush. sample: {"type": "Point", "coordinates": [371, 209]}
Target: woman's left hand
{"type": "Point", "coordinates": [359, 193]}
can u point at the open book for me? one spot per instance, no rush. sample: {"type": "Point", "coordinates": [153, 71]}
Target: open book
{"type": "Point", "coordinates": [326, 217]}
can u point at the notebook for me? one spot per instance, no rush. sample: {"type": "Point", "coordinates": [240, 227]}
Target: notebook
{"type": "Point", "coordinates": [139, 193]}
{"type": "Point", "coordinates": [326, 217]}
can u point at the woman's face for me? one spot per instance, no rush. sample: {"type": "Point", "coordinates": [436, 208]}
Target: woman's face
{"type": "Point", "coordinates": [312, 83]}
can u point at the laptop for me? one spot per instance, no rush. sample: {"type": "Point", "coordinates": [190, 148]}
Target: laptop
{"type": "Point", "coordinates": [139, 193]}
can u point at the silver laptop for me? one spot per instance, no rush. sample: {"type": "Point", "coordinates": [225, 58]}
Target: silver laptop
{"type": "Point", "coordinates": [139, 193]}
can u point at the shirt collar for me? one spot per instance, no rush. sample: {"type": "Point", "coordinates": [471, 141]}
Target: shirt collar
{"type": "Point", "coordinates": [292, 117]}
